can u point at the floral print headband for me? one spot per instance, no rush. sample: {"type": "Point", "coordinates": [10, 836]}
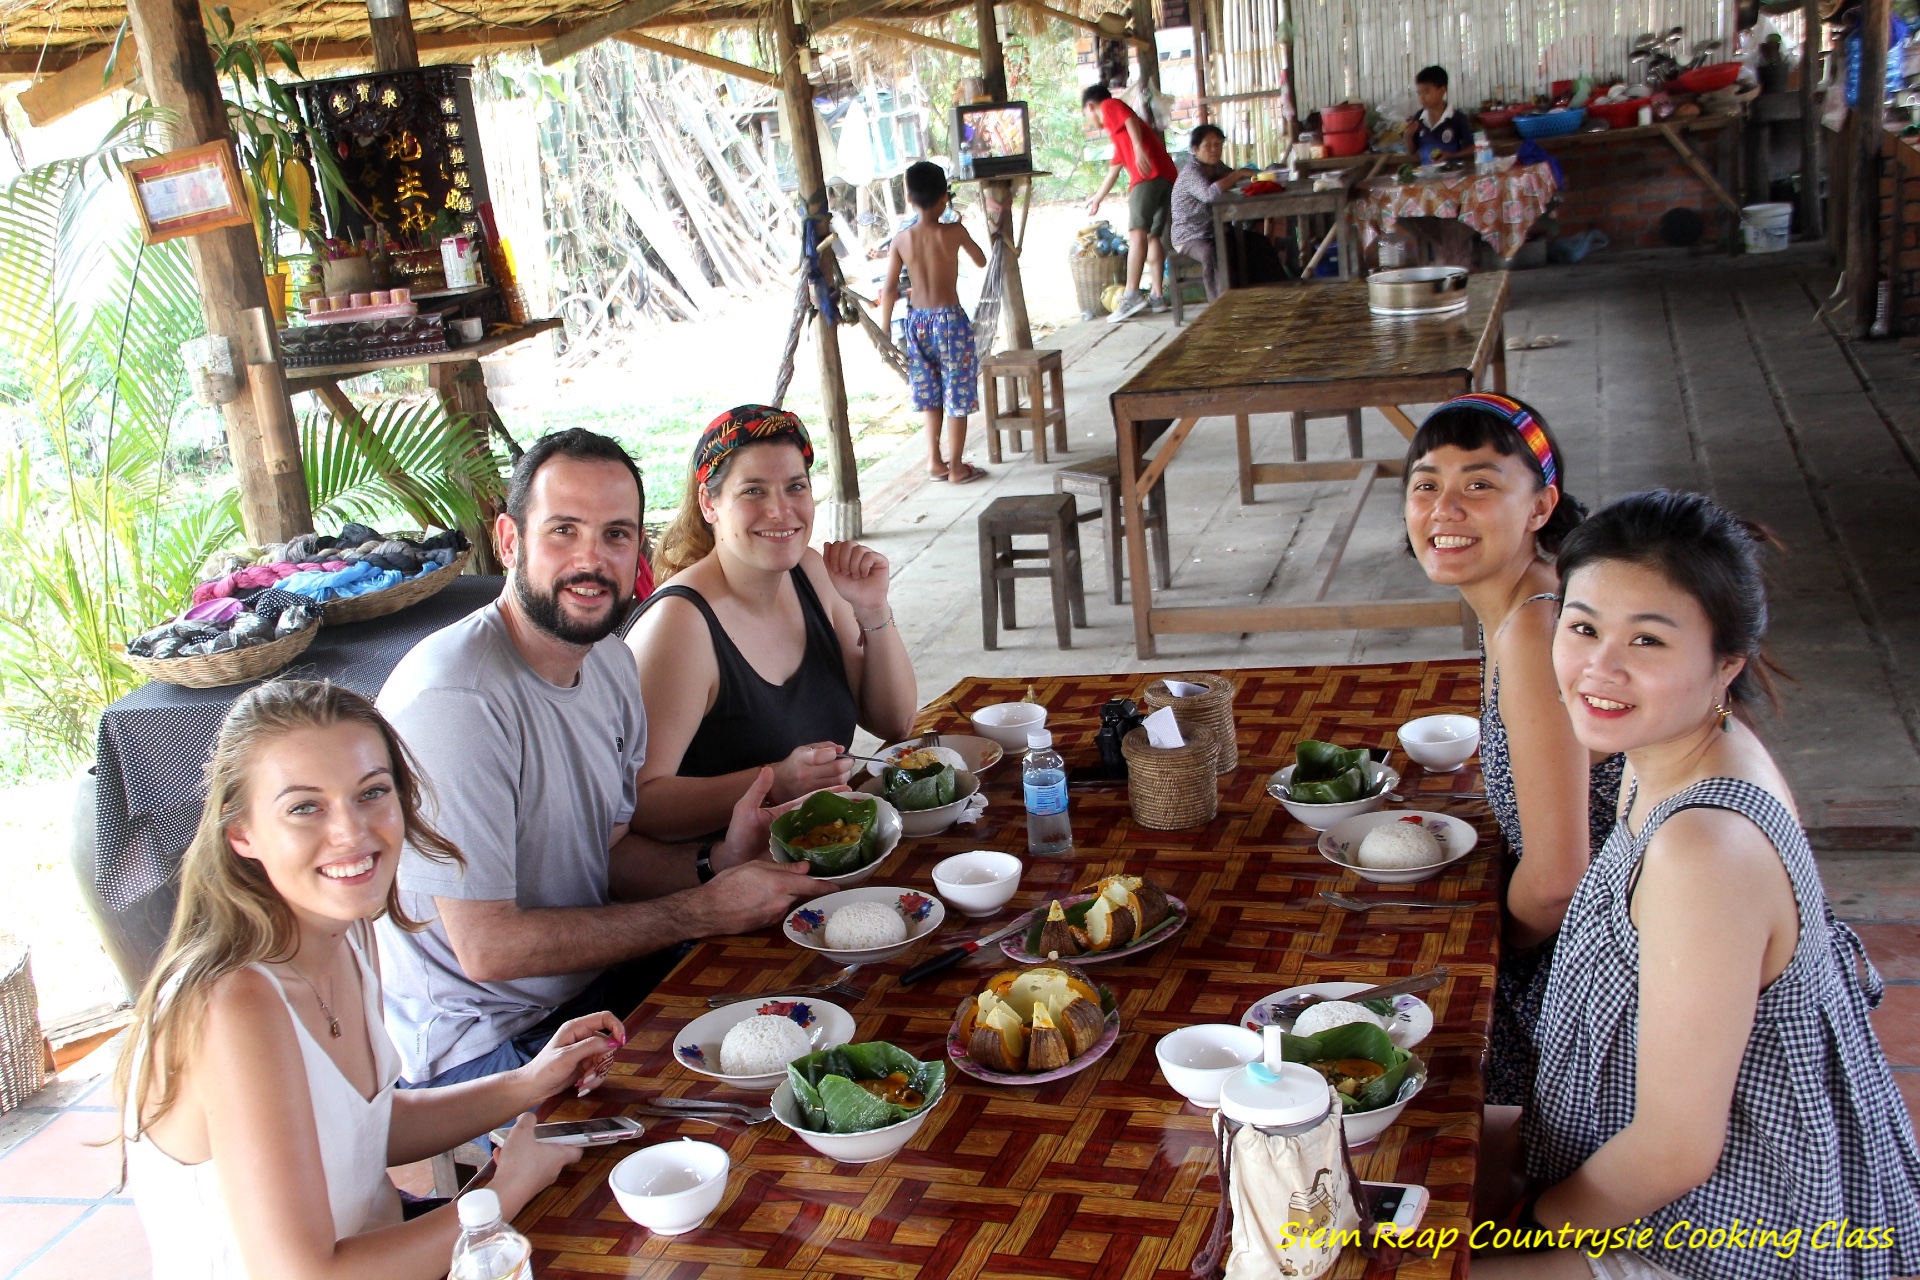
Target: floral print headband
{"type": "Point", "coordinates": [743, 425]}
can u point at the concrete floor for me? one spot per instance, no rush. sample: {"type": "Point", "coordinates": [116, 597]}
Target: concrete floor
{"type": "Point", "coordinates": [1698, 372]}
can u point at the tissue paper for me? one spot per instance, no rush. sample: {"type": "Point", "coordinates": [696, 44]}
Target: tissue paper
{"type": "Point", "coordinates": [1182, 689]}
{"type": "Point", "coordinates": [1162, 729]}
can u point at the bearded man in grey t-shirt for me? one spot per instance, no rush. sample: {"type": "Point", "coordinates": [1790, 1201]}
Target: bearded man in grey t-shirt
{"type": "Point", "coordinates": [525, 718]}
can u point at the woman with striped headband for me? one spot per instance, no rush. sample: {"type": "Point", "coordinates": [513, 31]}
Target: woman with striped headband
{"type": "Point", "coordinates": [758, 650]}
{"type": "Point", "coordinates": [1486, 513]}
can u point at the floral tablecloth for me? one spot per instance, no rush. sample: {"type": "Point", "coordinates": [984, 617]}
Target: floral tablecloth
{"type": "Point", "coordinates": [1500, 207]}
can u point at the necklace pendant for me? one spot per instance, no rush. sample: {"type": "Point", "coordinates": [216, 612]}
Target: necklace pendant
{"type": "Point", "coordinates": [333, 1025]}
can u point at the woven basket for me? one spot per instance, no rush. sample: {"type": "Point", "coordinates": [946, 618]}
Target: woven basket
{"type": "Point", "coordinates": [1212, 710]}
{"type": "Point", "coordinates": [1172, 788]}
{"type": "Point", "coordinates": [23, 1062]}
{"type": "Point", "coordinates": [1092, 275]}
{"type": "Point", "coordinates": [378, 604]}
{"type": "Point", "coordinates": [235, 666]}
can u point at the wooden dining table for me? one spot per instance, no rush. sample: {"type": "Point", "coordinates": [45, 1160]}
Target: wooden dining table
{"type": "Point", "coordinates": [1107, 1173]}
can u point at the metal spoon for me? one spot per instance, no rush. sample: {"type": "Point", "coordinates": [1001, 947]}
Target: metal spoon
{"type": "Point", "coordinates": [702, 1108]}
{"type": "Point", "coordinates": [1364, 904]}
{"type": "Point", "coordinates": [1286, 1011]}
{"type": "Point", "coordinates": [837, 984]}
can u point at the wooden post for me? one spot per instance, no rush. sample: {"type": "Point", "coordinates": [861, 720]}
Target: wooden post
{"type": "Point", "coordinates": [1812, 215]}
{"type": "Point", "coordinates": [1197, 10]}
{"type": "Point", "coordinates": [1863, 206]}
{"type": "Point", "coordinates": [993, 69]}
{"type": "Point", "coordinates": [993, 62]}
{"type": "Point", "coordinates": [394, 46]}
{"type": "Point", "coordinates": [177, 67]}
{"type": "Point", "coordinates": [843, 501]}
{"type": "Point", "coordinates": [1148, 52]}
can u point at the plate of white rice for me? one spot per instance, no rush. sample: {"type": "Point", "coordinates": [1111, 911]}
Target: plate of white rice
{"type": "Point", "coordinates": [748, 1045]}
{"type": "Point", "coordinates": [864, 925]}
{"type": "Point", "coordinates": [1398, 846]}
{"type": "Point", "coordinates": [1409, 1024]}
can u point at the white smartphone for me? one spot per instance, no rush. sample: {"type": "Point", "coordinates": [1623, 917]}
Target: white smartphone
{"type": "Point", "coordinates": [1396, 1204]}
{"type": "Point", "coordinates": [582, 1133]}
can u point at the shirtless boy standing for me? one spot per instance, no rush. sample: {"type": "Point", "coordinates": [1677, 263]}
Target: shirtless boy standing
{"type": "Point", "coordinates": [941, 361]}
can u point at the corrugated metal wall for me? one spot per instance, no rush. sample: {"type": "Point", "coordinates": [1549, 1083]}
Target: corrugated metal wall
{"type": "Point", "coordinates": [1369, 50]}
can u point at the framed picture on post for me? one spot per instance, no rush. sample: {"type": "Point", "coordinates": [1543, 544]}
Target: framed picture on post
{"type": "Point", "coordinates": [184, 193]}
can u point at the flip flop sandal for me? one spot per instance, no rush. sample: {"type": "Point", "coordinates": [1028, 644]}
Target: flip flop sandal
{"type": "Point", "coordinates": [973, 473]}
{"type": "Point", "coordinates": [937, 475]}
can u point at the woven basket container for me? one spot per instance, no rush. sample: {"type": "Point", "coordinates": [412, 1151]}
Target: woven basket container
{"type": "Point", "coordinates": [1212, 711]}
{"type": "Point", "coordinates": [378, 604]}
{"type": "Point", "coordinates": [23, 1063]}
{"type": "Point", "coordinates": [1172, 788]}
{"type": "Point", "coordinates": [1092, 275]}
{"type": "Point", "coordinates": [235, 666]}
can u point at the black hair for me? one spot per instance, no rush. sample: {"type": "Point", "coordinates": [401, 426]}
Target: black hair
{"type": "Point", "coordinates": [574, 442]}
{"type": "Point", "coordinates": [926, 183]}
{"type": "Point", "coordinates": [1469, 427]}
{"type": "Point", "coordinates": [1094, 93]}
{"type": "Point", "coordinates": [1435, 76]}
{"type": "Point", "coordinates": [1202, 132]}
{"type": "Point", "coordinates": [1700, 547]}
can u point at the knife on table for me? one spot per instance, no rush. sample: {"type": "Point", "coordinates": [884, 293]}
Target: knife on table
{"type": "Point", "coordinates": [953, 956]}
{"type": "Point", "coordinates": [1404, 987]}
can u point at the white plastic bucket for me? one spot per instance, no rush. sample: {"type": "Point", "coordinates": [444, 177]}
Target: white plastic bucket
{"type": "Point", "coordinates": [1766, 227]}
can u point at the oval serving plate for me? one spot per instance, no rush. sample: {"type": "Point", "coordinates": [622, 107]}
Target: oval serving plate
{"type": "Point", "coordinates": [1411, 1023]}
{"type": "Point", "coordinates": [1015, 943]}
{"type": "Point", "coordinates": [957, 1053]}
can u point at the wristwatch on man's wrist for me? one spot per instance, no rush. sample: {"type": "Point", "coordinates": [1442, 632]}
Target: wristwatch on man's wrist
{"type": "Point", "coordinates": [703, 863]}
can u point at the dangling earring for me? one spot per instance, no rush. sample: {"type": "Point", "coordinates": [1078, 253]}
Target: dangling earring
{"type": "Point", "coordinates": [1725, 713]}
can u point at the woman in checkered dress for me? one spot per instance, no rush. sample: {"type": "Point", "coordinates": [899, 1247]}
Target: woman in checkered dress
{"type": "Point", "coordinates": [1710, 1092]}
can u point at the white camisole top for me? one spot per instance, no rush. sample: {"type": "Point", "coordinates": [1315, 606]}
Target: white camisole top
{"type": "Point", "coordinates": [181, 1206]}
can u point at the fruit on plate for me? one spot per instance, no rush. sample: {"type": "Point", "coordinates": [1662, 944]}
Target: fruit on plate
{"type": "Point", "coordinates": [1034, 1019]}
{"type": "Point", "coordinates": [1122, 908]}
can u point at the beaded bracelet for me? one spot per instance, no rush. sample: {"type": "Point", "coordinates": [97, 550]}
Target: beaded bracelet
{"type": "Point", "coordinates": [882, 627]}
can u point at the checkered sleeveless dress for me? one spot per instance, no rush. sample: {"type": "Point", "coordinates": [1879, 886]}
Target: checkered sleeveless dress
{"type": "Point", "coordinates": [1521, 983]}
{"type": "Point", "coordinates": [1818, 1132]}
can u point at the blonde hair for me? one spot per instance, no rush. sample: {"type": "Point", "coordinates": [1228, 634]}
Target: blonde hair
{"type": "Point", "coordinates": [229, 914]}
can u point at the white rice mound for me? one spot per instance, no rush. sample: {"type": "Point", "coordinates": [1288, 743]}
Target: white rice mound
{"type": "Point", "coordinates": [1329, 1014]}
{"type": "Point", "coordinates": [1399, 846]}
{"type": "Point", "coordinates": [862, 926]}
{"type": "Point", "coordinates": [762, 1045]}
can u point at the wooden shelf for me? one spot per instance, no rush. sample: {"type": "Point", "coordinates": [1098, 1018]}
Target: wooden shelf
{"type": "Point", "coordinates": [299, 380]}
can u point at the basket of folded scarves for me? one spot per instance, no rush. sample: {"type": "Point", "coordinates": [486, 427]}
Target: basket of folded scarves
{"type": "Point", "coordinates": [410, 590]}
{"type": "Point", "coordinates": [226, 641]}
{"type": "Point", "coordinates": [358, 573]}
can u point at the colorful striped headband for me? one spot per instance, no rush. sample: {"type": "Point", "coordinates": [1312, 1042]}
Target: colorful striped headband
{"type": "Point", "coordinates": [743, 425]}
{"type": "Point", "coordinates": [1515, 415]}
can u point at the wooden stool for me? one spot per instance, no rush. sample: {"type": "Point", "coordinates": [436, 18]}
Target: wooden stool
{"type": "Point", "coordinates": [1243, 442]}
{"type": "Point", "coordinates": [1036, 368]}
{"type": "Point", "coordinates": [1099, 478]}
{"type": "Point", "coordinates": [1004, 519]}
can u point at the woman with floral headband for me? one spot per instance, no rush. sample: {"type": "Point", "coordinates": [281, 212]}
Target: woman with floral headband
{"type": "Point", "coordinates": [757, 650]}
{"type": "Point", "coordinates": [1486, 513]}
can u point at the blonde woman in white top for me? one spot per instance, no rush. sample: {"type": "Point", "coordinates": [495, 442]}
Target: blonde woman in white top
{"type": "Point", "coordinates": [258, 1091]}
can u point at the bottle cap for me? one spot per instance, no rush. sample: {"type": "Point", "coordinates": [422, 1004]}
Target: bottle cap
{"type": "Point", "coordinates": [1040, 740]}
{"type": "Point", "coordinates": [478, 1209]}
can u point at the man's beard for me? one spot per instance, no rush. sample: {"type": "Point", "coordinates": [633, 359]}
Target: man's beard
{"type": "Point", "coordinates": [545, 613]}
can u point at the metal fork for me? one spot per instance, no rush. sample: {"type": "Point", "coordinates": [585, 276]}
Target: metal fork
{"type": "Point", "coordinates": [1352, 903]}
{"type": "Point", "coordinates": [712, 1110]}
{"type": "Point", "coordinates": [929, 740]}
{"type": "Point", "coordinates": [836, 985]}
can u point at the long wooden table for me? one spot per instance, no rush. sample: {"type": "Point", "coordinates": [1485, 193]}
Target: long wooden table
{"type": "Point", "coordinates": [1107, 1173]}
{"type": "Point", "coordinates": [1233, 207]}
{"type": "Point", "coordinates": [1299, 349]}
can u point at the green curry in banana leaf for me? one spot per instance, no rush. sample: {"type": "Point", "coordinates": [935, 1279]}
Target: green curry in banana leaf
{"type": "Point", "coordinates": [857, 1087]}
{"type": "Point", "coordinates": [834, 832]}
{"type": "Point", "coordinates": [1368, 1069]}
{"type": "Point", "coordinates": [1326, 774]}
{"type": "Point", "coordinates": [912, 789]}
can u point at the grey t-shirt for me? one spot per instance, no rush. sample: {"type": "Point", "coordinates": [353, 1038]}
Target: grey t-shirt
{"type": "Point", "coordinates": [529, 780]}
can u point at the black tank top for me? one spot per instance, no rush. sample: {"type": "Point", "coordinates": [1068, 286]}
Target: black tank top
{"type": "Point", "coordinates": [754, 722]}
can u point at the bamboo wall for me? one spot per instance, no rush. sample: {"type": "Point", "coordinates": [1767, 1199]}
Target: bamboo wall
{"type": "Point", "coordinates": [1245, 56]}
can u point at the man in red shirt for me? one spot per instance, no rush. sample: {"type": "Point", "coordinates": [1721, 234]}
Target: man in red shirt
{"type": "Point", "coordinates": [1138, 149]}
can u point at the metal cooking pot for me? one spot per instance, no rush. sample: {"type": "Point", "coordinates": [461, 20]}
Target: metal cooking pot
{"type": "Point", "coordinates": [1414, 290]}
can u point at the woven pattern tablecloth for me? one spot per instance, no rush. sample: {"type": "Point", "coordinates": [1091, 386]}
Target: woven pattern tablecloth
{"type": "Point", "coordinates": [1106, 1173]}
{"type": "Point", "coordinates": [1500, 207]}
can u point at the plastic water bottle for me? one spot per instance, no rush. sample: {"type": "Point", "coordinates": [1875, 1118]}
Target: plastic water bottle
{"type": "Point", "coordinates": [1482, 150]}
{"type": "Point", "coordinates": [489, 1249]}
{"type": "Point", "coordinates": [1044, 773]}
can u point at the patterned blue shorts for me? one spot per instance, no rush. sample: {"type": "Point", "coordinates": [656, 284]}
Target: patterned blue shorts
{"type": "Point", "coordinates": [941, 361]}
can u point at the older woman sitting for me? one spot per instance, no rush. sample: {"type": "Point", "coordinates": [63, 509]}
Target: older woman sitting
{"type": "Point", "coordinates": [1202, 178]}
{"type": "Point", "coordinates": [757, 650]}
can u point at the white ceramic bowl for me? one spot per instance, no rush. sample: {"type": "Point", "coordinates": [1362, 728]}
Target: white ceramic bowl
{"type": "Point", "coordinates": [891, 830]}
{"type": "Point", "coordinates": [806, 926]}
{"type": "Point", "coordinates": [1009, 723]}
{"type": "Point", "coordinates": [697, 1047]}
{"type": "Point", "coordinates": [977, 883]}
{"type": "Point", "coordinates": [671, 1187]}
{"type": "Point", "coordinates": [915, 823]}
{"type": "Point", "coordinates": [1322, 816]}
{"type": "Point", "coordinates": [1340, 844]}
{"type": "Point", "coordinates": [977, 755]}
{"type": "Point", "coordinates": [1369, 1125]}
{"type": "Point", "coordinates": [1197, 1060]}
{"type": "Point", "coordinates": [1440, 744]}
{"type": "Point", "coordinates": [851, 1148]}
